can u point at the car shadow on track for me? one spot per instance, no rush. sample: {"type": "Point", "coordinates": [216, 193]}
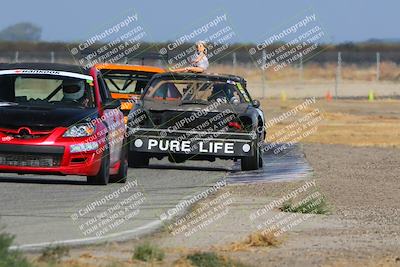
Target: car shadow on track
{"type": "Point", "coordinates": [27, 180]}
{"type": "Point", "coordinates": [177, 166]}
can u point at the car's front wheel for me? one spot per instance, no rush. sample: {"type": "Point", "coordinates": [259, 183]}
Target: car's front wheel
{"type": "Point", "coordinates": [253, 162]}
{"type": "Point", "coordinates": [122, 174]}
{"type": "Point", "coordinates": [103, 176]}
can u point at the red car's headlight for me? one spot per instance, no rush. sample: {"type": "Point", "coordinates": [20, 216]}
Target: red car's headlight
{"type": "Point", "coordinates": [80, 130]}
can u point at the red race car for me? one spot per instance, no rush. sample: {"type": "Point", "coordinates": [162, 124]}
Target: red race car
{"type": "Point", "coordinates": [60, 119]}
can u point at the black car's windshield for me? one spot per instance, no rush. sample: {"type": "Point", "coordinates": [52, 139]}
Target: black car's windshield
{"type": "Point", "coordinates": [196, 91]}
{"type": "Point", "coordinates": [27, 89]}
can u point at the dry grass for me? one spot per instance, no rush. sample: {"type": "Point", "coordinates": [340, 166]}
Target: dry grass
{"type": "Point", "coordinates": [356, 123]}
{"type": "Point", "coordinates": [389, 71]}
{"type": "Point", "coordinates": [254, 240]}
{"type": "Point", "coordinates": [262, 239]}
{"type": "Point", "coordinates": [357, 130]}
{"type": "Point", "coordinates": [182, 262]}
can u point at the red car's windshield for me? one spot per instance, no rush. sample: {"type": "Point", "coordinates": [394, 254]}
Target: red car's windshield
{"type": "Point", "coordinates": [46, 89]}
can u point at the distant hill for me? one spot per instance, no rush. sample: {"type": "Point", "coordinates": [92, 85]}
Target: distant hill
{"type": "Point", "coordinates": [23, 31]}
{"type": "Point", "coordinates": [383, 41]}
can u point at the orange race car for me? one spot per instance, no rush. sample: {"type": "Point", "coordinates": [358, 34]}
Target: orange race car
{"type": "Point", "coordinates": [126, 82]}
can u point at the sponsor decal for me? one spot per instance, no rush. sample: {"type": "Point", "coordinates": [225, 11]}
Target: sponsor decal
{"type": "Point", "coordinates": [246, 97]}
{"type": "Point", "coordinates": [47, 72]}
{"type": "Point", "coordinates": [209, 147]}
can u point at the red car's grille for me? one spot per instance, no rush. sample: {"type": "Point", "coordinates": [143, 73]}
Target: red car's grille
{"type": "Point", "coordinates": [26, 160]}
{"type": "Point", "coordinates": [23, 133]}
{"type": "Point", "coordinates": [26, 136]}
{"type": "Point", "coordinates": [33, 128]}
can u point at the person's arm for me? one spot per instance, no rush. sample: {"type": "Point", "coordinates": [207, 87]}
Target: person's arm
{"type": "Point", "coordinates": [200, 57]}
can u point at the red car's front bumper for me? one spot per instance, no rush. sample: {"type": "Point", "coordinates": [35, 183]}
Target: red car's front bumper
{"type": "Point", "coordinates": [47, 156]}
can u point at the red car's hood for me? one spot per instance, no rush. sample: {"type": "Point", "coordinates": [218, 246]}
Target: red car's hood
{"type": "Point", "coordinates": [15, 116]}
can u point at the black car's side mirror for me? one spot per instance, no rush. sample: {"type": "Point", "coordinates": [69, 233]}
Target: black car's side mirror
{"type": "Point", "coordinates": [256, 103]}
{"type": "Point", "coordinates": [112, 104]}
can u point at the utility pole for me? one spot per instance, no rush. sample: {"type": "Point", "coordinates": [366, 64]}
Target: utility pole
{"type": "Point", "coordinates": [52, 56]}
{"type": "Point", "coordinates": [338, 73]}
{"type": "Point", "coordinates": [264, 72]}
{"type": "Point", "coordinates": [378, 66]}
{"type": "Point", "coordinates": [234, 62]}
{"type": "Point", "coordinates": [301, 67]}
{"type": "Point", "coordinates": [16, 57]}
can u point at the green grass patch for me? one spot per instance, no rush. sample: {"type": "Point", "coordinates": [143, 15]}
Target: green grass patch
{"type": "Point", "coordinates": [312, 205]}
{"type": "Point", "coordinates": [211, 259]}
{"type": "Point", "coordinates": [148, 252]}
{"type": "Point", "coordinates": [10, 258]}
{"type": "Point", "coordinates": [53, 254]}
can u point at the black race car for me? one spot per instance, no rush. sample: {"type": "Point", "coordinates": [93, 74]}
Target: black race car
{"type": "Point", "coordinates": [187, 116]}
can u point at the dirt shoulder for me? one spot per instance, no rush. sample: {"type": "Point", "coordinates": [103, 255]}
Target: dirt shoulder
{"type": "Point", "coordinates": [361, 188]}
{"type": "Point", "coordinates": [355, 156]}
{"type": "Point", "coordinates": [363, 193]}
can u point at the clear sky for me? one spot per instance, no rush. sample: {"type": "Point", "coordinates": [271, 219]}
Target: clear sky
{"type": "Point", "coordinates": [344, 20]}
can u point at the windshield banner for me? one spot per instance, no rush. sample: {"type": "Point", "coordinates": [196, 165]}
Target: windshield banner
{"type": "Point", "coordinates": [46, 72]}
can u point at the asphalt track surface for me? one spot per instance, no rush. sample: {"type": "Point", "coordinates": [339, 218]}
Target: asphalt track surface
{"type": "Point", "coordinates": [50, 210]}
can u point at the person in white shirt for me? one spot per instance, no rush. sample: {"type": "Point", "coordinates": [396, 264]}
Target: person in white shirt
{"type": "Point", "coordinates": [200, 60]}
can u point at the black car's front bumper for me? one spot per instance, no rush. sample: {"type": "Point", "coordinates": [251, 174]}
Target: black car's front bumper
{"type": "Point", "coordinates": [163, 141]}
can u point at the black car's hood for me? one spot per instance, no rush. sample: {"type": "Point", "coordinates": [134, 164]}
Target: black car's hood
{"type": "Point", "coordinates": [14, 116]}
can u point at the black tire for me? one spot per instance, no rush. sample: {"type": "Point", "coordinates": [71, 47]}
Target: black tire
{"type": "Point", "coordinates": [138, 160]}
{"type": "Point", "coordinates": [122, 174]}
{"type": "Point", "coordinates": [253, 162]}
{"type": "Point", "coordinates": [261, 161]}
{"type": "Point", "coordinates": [103, 176]}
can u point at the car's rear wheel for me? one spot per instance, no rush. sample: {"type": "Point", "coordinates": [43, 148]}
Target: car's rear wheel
{"type": "Point", "coordinates": [103, 176]}
{"type": "Point", "coordinates": [253, 162]}
{"type": "Point", "coordinates": [138, 160]}
{"type": "Point", "coordinates": [122, 174]}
